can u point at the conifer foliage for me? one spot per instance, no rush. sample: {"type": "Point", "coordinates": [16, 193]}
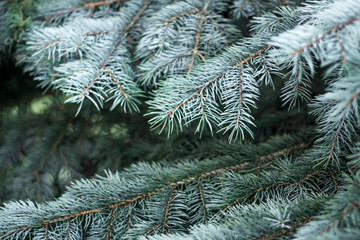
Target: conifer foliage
{"type": "Point", "coordinates": [272, 88]}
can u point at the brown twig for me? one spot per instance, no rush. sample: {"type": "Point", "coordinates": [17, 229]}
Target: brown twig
{"type": "Point", "coordinates": [240, 96]}
{"type": "Point", "coordinates": [113, 211]}
{"type": "Point", "coordinates": [68, 229]}
{"type": "Point", "coordinates": [87, 212]}
{"type": "Point", "coordinates": [341, 47]}
{"type": "Point", "coordinates": [202, 199]}
{"type": "Point", "coordinates": [333, 178]}
{"type": "Point", "coordinates": [14, 231]}
{"type": "Point", "coordinates": [118, 85]}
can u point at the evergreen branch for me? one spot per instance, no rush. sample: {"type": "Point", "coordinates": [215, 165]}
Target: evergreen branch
{"type": "Point", "coordinates": [52, 43]}
{"type": "Point", "coordinates": [344, 117]}
{"type": "Point", "coordinates": [309, 176]}
{"type": "Point", "coordinates": [341, 47]}
{"type": "Point", "coordinates": [202, 199]}
{"type": "Point", "coordinates": [169, 62]}
{"type": "Point", "coordinates": [243, 5]}
{"type": "Point", "coordinates": [269, 190]}
{"type": "Point", "coordinates": [100, 32]}
{"type": "Point", "coordinates": [333, 177]}
{"type": "Point", "coordinates": [256, 8]}
{"type": "Point", "coordinates": [216, 79]}
{"type": "Point", "coordinates": [120, 39]}
{"type": "Point", "coordinates": [182, 20]}
{"type": "Point", "coordinates": [113, 211]}
{"type": "Point", "coordinates": [285, 232]}
{"type": "Point", "coordinates": [137, 17]}
{"type": "Point", "coordinates": [181, 15]}
{"type": "Point", "coordinates": [139, 197]}
{"type": "Point", "coordinates": [166, 214]}
{"type": "Point", "coordinates": [252, 193]}
{"type": "Point", "coordinates": [86, 5]}
{"type": "Point", "coordinates": [283, 3]}
{"type": "Point", "coordinates": [284, 151]}
{"type": "Point", "coordinates": [269, 218]}
{"type": "Point", "coordinates": [342, 215]}
{"type": "Point", "coordinates": [68, 229]}
{"type": "Point", "coordinates": [209, 174]}
{"type": "Point", "coordinates": [15, 231]}
{"type": "Point", "coordinates": [151, 230]}
{"type": "Point", "coordinates": [334, 29]}
{"type": "Point", "coordinates": [197, 38]}
{"type": "Point", "coordinates": [221, 30]}
{"type": "Point", "coordinates": [240, 96]}
{"type": "Point", "coordinates": [117, 83]}
{"type": "Point", "coordinates": [195, 176]}
{"type": "Point", "coordinates": [102, 67]}
{"type": "Point", "coordinates": [264, 63]}
{"type": "Point", "coordinates": [278, 185]}
{"type": "Point", "coordinates": [193, 95]}
{"type": "Point", "coordinates": [46, 231]}
{"type": "Point", "coordinates": [277, 155]}
{"type": "Point", "coordinates": [335, 138]}
{"type": "Point", "coordinates": [338, 216]}
{"type": "Point", "coordinates": [253, 55]}
{"type": "Point", "coordinates": [110, 207]}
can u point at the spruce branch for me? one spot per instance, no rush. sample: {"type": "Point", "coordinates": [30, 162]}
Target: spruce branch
{"type": "Point", "coordinates": [170, 194]}
{"type": "Point", "coordinates": [338, 215]}
{"type": "Point", "coordinates": [309, 42]}
{"type": "Point", "coordinates": [337, 111]}
{"type": "Point", "coordinates": [171, 116]}
{"type": "Point", "coordinates": [174, 25]}
{"type": "Point", "coordinates": [56, 12]}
